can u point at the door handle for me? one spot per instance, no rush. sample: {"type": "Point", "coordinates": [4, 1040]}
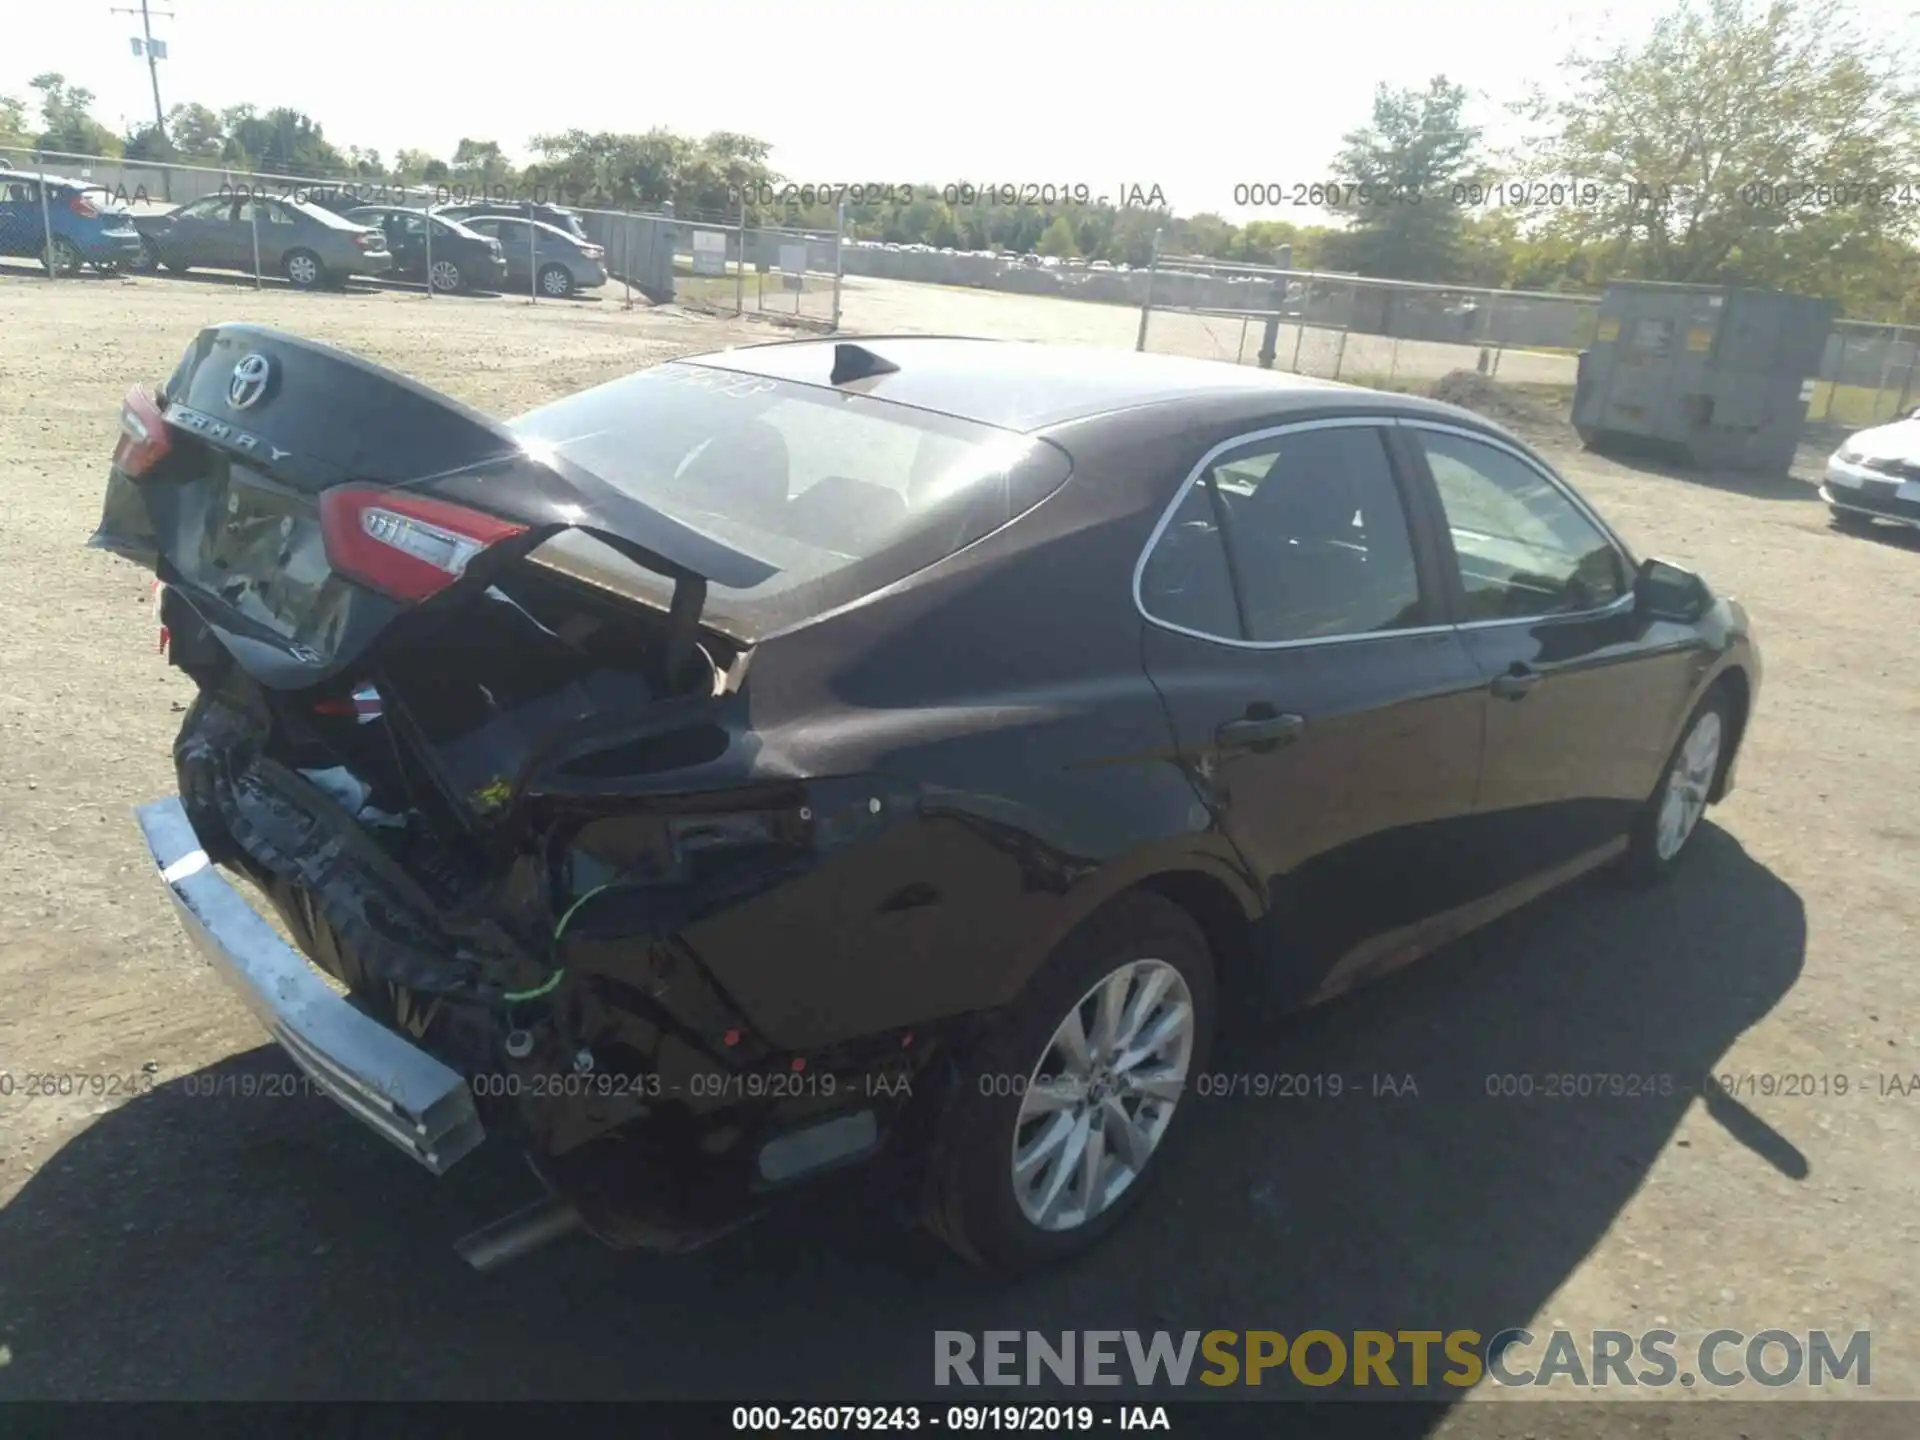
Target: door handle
{"type": "Point", "coordinates": [1515, 683]}
{"type": "Point", "coordinates": [1259, 732]}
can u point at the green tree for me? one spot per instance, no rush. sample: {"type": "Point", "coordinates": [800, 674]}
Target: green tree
{"type": "Point", "coordinates": [1396, 179]}
{"type": "Point", "coordinates": [67, 121]}
{"type": "Point", "coordinates": [280, 142]}
{"type": "Point", "coordinates": [477, 164]}
{"type": "Point", "coordinates": [1059, 239]}
{"type": "Point", "coordinates": [1738, 143]}
{"type": "Point", "coordinates": [412, 165]}
{"type": "Point", "coordinates": [13, 122]}
{"type": "Point", "coordinates": [196, 132]}
{"type": "Point", "coordinates": [148, 142]}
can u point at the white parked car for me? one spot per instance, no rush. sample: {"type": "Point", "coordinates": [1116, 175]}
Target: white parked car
{"type": "Point", "coordinates": [1876, 476]}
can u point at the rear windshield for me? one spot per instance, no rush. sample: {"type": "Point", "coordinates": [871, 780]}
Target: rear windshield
{"type": "Point", "coordinates": [839, 494]}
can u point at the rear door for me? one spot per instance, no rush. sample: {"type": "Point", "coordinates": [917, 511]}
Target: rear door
{"type": "Point", "coordinates": [204, 233]}
{"type": "Point", "coordinates": [22, 229]}
{"type": "Point", "coordinates": [1583, 691]}
{"type": "Point", "coordinates": [275, 226]}
{"type": "Point", "coordinates": [407, 239]}
{"type": "Point", "coordinates": [1327, 710]}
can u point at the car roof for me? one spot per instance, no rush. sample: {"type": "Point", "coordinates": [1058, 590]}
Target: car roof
{"type": "Point", "coordinates": [1028, 385]}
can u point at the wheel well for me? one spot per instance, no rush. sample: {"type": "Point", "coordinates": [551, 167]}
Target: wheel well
{"type": "Point", "coordinates": [1739, 692]}
{"type": "Point", "coordinates": [1224, 925]}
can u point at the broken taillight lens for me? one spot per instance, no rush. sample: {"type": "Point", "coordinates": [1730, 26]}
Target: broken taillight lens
{"type": "Point", "coordinates": [143, 434]}
{"type": "Point", "coordinates": [407, 546]}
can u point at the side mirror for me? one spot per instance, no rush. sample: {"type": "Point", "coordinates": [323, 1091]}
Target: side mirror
{"type": "Point", "coordinates": [1666, 592]}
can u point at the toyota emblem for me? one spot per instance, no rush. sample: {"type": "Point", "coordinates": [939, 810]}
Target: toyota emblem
{"type": "Point", "coordinates": [249, 384]}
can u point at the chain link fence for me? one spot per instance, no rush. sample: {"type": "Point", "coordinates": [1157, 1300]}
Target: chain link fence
{"type": "Point", "coordinates": [73, 216]}
{"type": "Point", "coordinates": [729, 266]}
{"type": "Point", "coordinates": [1390, 333]}
{"type": "Point", "coordinates": [1402, 335]}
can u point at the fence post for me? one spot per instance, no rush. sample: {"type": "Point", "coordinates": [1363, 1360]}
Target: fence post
{"type": "Point", "coordinates": [46, 218]}
{"type": "Point", "coordinates": [740, 267]}
{"type": "Point", "coordinates": [1880, 386]}
{"type": "Point", "coordinates": [426, 220]}
{"type": "Point", "coordinates": [1146, 304]}
{"type": "Point", "coordinates": [1300, 321]}
{"type": "Point", "coordinates": [1270, 333]}
{"type": "Point", "coordinates": [1906, 385]}
{"type": "Point", "coordinates": [626, 260]}
{"type": "Point", "coordinates": [253, 223]}
{"type": "Point", "coordinates": [533, 258]}
{"type": "Point", "coordinates": [1353, 300]}
{"type": "Point", "coordinates": [839, 249]}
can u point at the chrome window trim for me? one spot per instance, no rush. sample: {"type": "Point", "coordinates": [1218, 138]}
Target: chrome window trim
{"type": "Point", "coordinates": [1338, 422]}
{"type": "Point", "coordinates": [1250, 437]}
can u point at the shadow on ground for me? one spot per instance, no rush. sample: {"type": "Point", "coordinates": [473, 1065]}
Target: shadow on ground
{"type": "Point", "coordinates": [224, 1247]}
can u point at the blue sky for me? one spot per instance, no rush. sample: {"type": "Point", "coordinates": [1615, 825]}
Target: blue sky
{"type": "Point", "coordinates": [1195, 96]}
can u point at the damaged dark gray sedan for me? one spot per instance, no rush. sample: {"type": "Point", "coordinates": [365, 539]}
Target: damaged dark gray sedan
{"type": "Point", "coordinates": [901, 751]}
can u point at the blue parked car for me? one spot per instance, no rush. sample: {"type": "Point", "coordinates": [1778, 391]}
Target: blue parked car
{"type": "Point", "coordinates": [88, 227]}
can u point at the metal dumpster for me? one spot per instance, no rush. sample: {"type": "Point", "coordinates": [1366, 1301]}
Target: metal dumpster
{"type": "Point", "coordinates": [1720, 374]}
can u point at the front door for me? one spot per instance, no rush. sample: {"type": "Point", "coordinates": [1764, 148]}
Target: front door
{"type": "Point", "coordinates": [1328, 713]}
{"type": "Point", "coordinates": [1584, 691]}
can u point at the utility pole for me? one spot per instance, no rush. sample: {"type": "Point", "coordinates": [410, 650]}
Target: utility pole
{"type": "Point", "coordinates": [145, 46]}
{"type": "Point", "coordinates": [153, 60]}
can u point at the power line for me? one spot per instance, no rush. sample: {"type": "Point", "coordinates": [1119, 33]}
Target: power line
{"type": "Point", "coordinates": [153, 60]}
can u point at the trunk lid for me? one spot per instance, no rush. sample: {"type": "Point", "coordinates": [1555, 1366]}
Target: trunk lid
{"type": "Point", "coordinates": [283, 454]}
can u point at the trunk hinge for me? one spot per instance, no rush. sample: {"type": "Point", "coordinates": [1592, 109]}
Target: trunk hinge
{"type": "Point", "coordinates": [683, 626]}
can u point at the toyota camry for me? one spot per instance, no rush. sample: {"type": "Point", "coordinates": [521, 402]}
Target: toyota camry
{"type": "Point", "coordinates": [898, 751]}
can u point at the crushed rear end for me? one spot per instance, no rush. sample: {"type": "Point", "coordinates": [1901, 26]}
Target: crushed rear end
{"type": "Point", "coordinates": [453, 761]}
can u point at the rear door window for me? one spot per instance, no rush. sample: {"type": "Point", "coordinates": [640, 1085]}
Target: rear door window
{"type": "Point", "coordinates": [1311, 530]}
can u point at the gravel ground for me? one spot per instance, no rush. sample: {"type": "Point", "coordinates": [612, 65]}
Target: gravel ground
{"type": "Point", "coordinates": [185, 1244]}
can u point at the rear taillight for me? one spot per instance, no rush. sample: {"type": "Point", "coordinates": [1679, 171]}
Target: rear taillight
{"type": "Point", "coordinates": [407, 546]}
{"type": "Point", "coordinates": [143, 434]}
{"type": "Point", "coordinates": [593, 252]}
{"type": "Point", "coordinates": [370, 240]}
{"type": "Point", "coordinates": [83, 207]}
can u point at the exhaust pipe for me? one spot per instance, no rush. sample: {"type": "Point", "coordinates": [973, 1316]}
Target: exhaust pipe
{"type": "Point", "coordinates": [520, 1233]}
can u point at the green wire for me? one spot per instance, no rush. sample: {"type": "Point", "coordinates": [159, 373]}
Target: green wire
{"type": "Point", "coordinates": [515, 996]}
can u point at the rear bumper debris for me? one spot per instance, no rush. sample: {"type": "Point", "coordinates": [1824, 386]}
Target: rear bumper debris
{"type": "Point", "coordinates": [393, 1086]}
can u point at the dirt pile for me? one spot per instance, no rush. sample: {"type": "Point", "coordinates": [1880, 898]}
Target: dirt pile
{"type": "Point", "coordinates": [1503, 404]}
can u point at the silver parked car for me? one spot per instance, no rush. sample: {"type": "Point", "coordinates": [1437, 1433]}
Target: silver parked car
{"type": "Point", "coordinates": [310, 246]}
{"type": "Point", "coordinates": [551, 258]}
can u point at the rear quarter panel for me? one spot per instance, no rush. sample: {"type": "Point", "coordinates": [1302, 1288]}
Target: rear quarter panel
{"type": "Point", "coordinates": [1001, 695]}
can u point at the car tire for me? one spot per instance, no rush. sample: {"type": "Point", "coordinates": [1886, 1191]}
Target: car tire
{"type": "Point", "coordinates": [556, 282]}
{"type": "Point", "coordinates": [975, 1199]}
{"type": "Point", "coordinates": [61, 257]}
{"type": "Point", "coordinates": [1663, 831]}
{"type": "Point", "coordinates": [1851, 521]}
{"type": "Point", "coordinates": [303, 270]}
{"type": "Point", "coordinates": [445, 278]}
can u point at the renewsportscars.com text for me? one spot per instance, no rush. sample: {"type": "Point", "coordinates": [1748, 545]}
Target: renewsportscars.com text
{"type": "Point", "coordinates": [1721, 1359]}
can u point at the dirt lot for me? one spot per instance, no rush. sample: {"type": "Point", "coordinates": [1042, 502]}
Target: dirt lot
{"type": "Point", "coordinates": [186, 1245]}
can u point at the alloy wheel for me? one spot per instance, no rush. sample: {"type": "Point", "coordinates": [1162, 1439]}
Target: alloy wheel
{"type": "Point", "coordinates": [1688, 784]}
{"type": "Point", "coordinates": [303, 270]}
{"type": "Point", "coordinates": [1099, 1101]}
{"type": "Point", "coordinates": [445, 276]}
